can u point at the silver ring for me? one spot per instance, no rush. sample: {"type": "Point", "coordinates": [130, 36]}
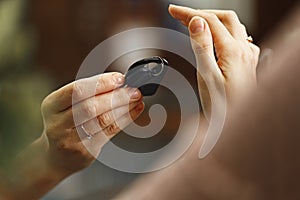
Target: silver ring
{"type": "Point", "coordinates": [162, 64]}
{"type": "Point", "coordinates": [89, 136]}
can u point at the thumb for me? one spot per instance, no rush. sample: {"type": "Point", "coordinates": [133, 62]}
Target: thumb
{"type": "Point", "coordinates": [202, 44]}
{"type": "Point", "coordinates": [209, 75]}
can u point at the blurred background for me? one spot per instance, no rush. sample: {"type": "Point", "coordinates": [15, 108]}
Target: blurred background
{"type": "Point", "coordinates": [43, 43]}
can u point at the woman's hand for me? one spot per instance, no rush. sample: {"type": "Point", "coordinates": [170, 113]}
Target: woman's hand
{"type": "Point", "coordinates": [233, 66]}
{"type": "Point", "coordinates": [80, 117]}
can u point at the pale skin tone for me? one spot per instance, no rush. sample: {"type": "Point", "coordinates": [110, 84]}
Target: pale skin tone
{"type": "Point", "coordinates": [64, 148]}
{"type": "Point", "coordinates": [257, 154]}
{"type": "Point", "coordinates": [234, 66]}
{"type": "Point", "coordinates": [61, 151]}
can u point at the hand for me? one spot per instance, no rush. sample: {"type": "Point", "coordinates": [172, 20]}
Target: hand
{"type": "Point", "coordinates": [234, 66]}
{"type": "Point", "coordinates": [100, 109]}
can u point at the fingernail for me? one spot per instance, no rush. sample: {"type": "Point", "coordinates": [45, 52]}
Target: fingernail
{"type": "Point", "coordinates": [119, 79]}
{"type": "Point", "coordinates": [197, 25]}
{"type": "Point", "coordinates": [134, 93]}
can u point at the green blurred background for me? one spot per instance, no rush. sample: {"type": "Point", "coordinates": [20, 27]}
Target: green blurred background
{"type": "Point", "coordinates": [22, 88]}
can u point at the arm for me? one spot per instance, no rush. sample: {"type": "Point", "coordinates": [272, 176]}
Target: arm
{"type": "Point", "coordinates": [233, 68]}
{"type": "Point", "coordinates": [257, 154]}
{"type": "Point", "coordinates": [78, 120]}
{"type": "Point", "coordinates": [30, 175]}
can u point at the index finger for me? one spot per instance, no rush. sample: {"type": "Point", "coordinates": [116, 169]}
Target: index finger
{"type": "Point", "coordinates": [219, 32]}
{"type": "Point", "coordinates": [82, 89]}
{"type": "Point", "coordinates": [231, 21]}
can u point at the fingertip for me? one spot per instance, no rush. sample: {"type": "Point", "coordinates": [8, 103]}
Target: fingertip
{"type": "Point", "coordinates": [134, 93]}
{"type": "Point", "coordinates": [118, 78]}
{"type": "Point", "coordinates": [174, 6]}
{"type": "Point", "coordinates": [171, 6]}
{"type": "Point", "coordinates": [118, 73]}
{"type": "Point", "coordinates": [178, 12]}
{"type": "Point", "coordinates": [171, 10]}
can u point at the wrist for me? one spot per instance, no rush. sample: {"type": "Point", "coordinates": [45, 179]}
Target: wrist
{"type": "Point", "coordinates": [31, 175]}
{"type": "Point", "coordinates": [51, 166]}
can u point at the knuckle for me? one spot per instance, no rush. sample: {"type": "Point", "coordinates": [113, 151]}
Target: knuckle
{"type": "Point", "coordinates": [57, 131]}
{"type": "Point", "coordinates": [202, 48]}
{"type": "Point", "coordinates": [75, 150]}
{"type": "Point", "coordinates": [63, 146]}
{"type": "Point", "coordinates": [101, 83]}
{"type": "Point", "coordinates": [79, 151]}
{"type": "Point", "coordinates": [77, 91]}
{"type": "Point", "coordinates": [112, 129]}
{"type": "Point", "coordinates": [88, 108]}
{"type": "Point", "coordinates": [104, 119]}
{"type": "Point", "coordinates": [230, 14]}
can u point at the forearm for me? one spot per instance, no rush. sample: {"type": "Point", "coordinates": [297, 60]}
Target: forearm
{"type": "Point", "coordinates": [190, 178]}
{"type": "Point", "coordinates": [256, 156]}
{"type": "Point", "coordinates": [31, 176]}
{"type": "Point", "coordinates": [190, 181]}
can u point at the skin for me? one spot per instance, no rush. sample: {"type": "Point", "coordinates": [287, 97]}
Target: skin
{"type": "Point", "coordinates": [234, 66]}
{"type": "Point", "coordinates": [257, 154]}
{"type": "Point", "coordinates": [64, 147]}
{"type": "Point", "coordinates": [60, 152]}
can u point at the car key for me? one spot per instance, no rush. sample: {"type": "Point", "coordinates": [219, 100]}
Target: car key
{"type": "Point", "coordinates": [146, 74]}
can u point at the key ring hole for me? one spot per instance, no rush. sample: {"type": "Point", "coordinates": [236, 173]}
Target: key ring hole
{"type": "Point", "coordinates": [155, 68]}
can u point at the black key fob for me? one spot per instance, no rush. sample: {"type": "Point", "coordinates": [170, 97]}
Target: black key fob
{"type": "Point", "coordinates": [146, 75]}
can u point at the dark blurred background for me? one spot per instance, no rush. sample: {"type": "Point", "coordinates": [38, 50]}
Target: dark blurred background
{"type": "Point", "coordinates": [43, 43]}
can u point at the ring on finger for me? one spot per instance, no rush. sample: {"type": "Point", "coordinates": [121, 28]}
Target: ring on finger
{"type": "Point", "coordinates": [89, 136]}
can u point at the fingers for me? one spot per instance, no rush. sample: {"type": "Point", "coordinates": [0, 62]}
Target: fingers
{"type": "Point", "coordinates": [209, 74]}
{"type": "Point", "coordinates": [104, 120]}
{"type": "Point", "coordinates": [207, 67]}
{"type": "Point", "coordinates": [202, 44]}
{"type": "Point", "coordinates": [93, 107]}
{"type": "Point", "coordinates": [114, 128]}
{"type": "Point", "coordinates": [124, 121]}
{"type": "Point", "coordinates": [184, 14]}
{"type": "Point", "coordinates": [227, 17]}
{"type": "Point", "coordinates": [80, 90]}
{"type": "Point", "coordinates": [201, 35]}
{"type": "Point", "coordinates": [220, 34]}
{"type": "Point", "coordinates": [231, 22]}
